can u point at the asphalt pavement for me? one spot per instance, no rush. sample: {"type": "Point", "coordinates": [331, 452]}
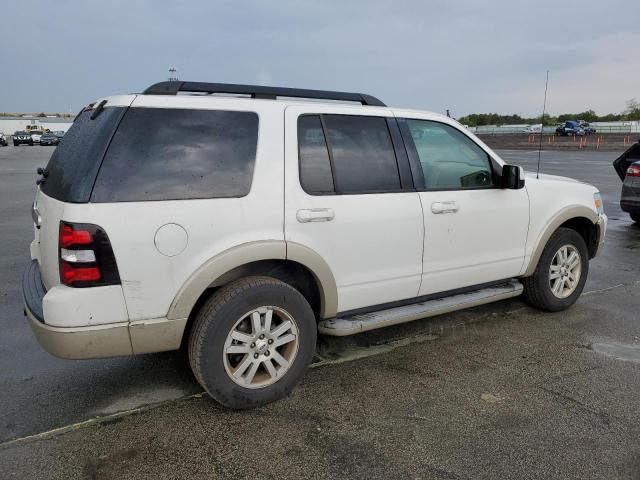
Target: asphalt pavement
{"type": "Point", "coordinates": [499, 391]}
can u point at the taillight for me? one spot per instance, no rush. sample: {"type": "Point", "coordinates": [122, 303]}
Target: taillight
{"type": "Point", "coordinates": [633, 170]}
{"type": "Point", "coordinates": [86, 257]}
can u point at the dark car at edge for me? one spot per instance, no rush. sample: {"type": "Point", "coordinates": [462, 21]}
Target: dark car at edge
{"type": "Point", "coordinates": [627, 166]}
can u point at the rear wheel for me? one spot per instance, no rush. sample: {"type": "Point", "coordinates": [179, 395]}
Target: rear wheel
{"type": "Point", "coordinates": [561, 273]}
{"type": "Point", "coordinates": [252, 342]}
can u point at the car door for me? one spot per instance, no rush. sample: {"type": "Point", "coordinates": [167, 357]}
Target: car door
{"type": "Point", "coordinates": [349, 197]}
{"type": "Point", "coordinates": [475, 232]}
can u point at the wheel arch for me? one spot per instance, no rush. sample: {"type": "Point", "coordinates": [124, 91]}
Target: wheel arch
{"type": "Point", "coordinates": [576, 217]}
{"type": "Point", "coordinates": [290, 262]}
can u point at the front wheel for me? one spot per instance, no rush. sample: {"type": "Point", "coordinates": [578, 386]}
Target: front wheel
{"type": "Point", "coordinates": [561, 273]}
{"type": "Point", "coordinates": [252, 342]}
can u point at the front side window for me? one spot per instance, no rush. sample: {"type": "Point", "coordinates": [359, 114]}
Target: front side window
{"type": "Point", "coordinates": [173, 154]}
{"type": "Point", "coordinates": [448, 158]}
{"type": "Point", "coordinates": [346, 154]}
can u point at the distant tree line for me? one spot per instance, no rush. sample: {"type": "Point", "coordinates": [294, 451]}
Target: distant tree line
{"type": "Point", "coordinates": [632, 112]}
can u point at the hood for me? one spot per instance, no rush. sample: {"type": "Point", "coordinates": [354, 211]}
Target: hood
{"type": "Point", "coordinates": [550, 178]}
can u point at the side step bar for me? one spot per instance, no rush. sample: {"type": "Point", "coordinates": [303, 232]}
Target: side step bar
{"type": "Point", "coordinates": [341, 327]}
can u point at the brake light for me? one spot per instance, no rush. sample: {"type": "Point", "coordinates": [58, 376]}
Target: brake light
{"type": "Point", "coordinates": [78, 274]}
{"type": "Point", "coordinates": [633, 170]}
{"type": "Point", "coordinates": [70, 237]}
{"type": "Point", "coordinates": [85, 256]}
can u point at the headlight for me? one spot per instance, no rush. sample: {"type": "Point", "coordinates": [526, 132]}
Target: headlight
{"type": "Point", "coordinates": [597, 200]}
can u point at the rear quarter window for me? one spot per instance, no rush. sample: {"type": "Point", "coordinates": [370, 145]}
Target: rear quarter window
{"type": "Point", "coordinates": [173, 154]}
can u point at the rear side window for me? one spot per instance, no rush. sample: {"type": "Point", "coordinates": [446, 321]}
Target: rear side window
{"type": "Point", "coordinates": [173, 154]}
{"type": "Point", "coordinates": [359, 153]}
{"type": "Point", "coordinates": [315, 166]}
{"type": "Point", "coordinates": [74, 164]}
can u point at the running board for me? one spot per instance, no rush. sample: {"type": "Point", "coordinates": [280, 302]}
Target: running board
{"type": "Point", "coordinates": [341, 327]}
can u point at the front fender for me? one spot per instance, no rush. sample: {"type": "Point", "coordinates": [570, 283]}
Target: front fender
{"type": "Point", "coordinates": [562, 216]}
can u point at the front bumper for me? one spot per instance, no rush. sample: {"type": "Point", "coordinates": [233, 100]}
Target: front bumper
{"type": "Point", "coordinates": [601, 225]}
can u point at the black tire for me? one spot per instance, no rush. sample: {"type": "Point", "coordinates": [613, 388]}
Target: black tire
{"type": "Point", "coordinates": [216, 319]}
{"type": "Point", "coordinates": [537, 289]}
{"type": "Point", "coordinates": [635, 217]}
{"type": "Point", "coordinates": [15, 144]}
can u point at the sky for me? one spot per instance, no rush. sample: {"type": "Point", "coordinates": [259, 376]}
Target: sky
{"type": "Point", "coordinates": [469, 56]}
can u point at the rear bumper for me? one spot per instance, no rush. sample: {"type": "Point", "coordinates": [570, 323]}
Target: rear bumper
{"type": "Point", "coordinates": [96, 341]}
{"type": "Point", "coordinates": [85, 342]}
{"type": "Point", "coordinates": [115, 339]}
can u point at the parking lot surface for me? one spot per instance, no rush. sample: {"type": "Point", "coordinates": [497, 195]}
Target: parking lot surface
{"type": "Point", "coordinates": [499, 391]}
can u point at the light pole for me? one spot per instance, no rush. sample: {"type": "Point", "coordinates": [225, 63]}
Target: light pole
{"type": "Point", "coordinates": [173, 74]}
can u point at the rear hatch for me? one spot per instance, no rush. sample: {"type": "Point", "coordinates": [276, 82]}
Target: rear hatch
{"type": "Point", "coordinates": [626, 159]}
{"type": "Point", "coordinates": [69, 178]}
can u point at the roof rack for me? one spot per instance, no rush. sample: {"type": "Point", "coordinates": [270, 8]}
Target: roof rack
{"type": "Point", "coordinates": [258, 91]}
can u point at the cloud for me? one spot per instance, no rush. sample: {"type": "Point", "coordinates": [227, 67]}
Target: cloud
{"type": "Point", "coordinates": [466, 55]}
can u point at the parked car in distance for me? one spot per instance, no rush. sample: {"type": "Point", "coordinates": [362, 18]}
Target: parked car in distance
{"type": "Point", "coordinates": [570, 128]}
{"type": "Point", "coordinates": [35, 135]}
{"type": "Point", "coordinates": [533, 129]}
{"type": "Point", "coordinates": [49, 138]}
{"type": "Point", "coordinates": [3, 140]}
{"type": "Point", "coordinates": [22, 138]}
{"type": "Point", "coordinates": [58, 133]}
{"type": "Point", "coordinates": [588, 129]}
{"type": "Point", "coordinates": [627, 167]}
{"type": "Point", "coordinates": [243, 251]}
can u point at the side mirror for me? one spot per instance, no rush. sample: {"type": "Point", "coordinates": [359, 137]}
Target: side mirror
{"type": "Point", "coordinates": [512, 177]}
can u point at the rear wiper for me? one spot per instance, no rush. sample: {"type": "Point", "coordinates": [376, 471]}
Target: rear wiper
{"type": "Point", "coordinates": [98, 110]}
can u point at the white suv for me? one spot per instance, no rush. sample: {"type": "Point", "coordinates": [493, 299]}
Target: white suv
{"type": "Point", "coordinates": [241, 227]}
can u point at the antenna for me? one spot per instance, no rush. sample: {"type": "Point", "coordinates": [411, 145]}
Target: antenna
{"type": "Point", "coordinates": [544, 109]}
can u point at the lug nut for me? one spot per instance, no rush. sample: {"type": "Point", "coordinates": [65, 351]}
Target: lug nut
{"type": "Point", "coordinates": [253, 345]}
{"type": "Point", "coordinates": [255, 355]}
{"type": "Point", "coordinates": [261, 336]}
{"type": "Point", "coordinates": [270, 341]}
{"type": "Point", "coordinates": [267, 353]}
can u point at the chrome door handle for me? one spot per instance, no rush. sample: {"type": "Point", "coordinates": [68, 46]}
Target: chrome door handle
{"type": "Point", "coordinates": [315, 215]}
{"type": "Point", "coordinates": [444, 207]}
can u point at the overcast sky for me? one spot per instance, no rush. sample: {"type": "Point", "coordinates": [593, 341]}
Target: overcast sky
{"type": "Point", "coordinates": [465, 55]}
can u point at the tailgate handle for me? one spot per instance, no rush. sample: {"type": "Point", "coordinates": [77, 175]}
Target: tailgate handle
{"type": "Point", "coordinates": [315, 215]}
{"type": "Point", "coordinates": [444, 207]}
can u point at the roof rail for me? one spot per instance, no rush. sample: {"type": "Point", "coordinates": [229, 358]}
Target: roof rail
{"type": "Point", "coordinates": [258, 91]}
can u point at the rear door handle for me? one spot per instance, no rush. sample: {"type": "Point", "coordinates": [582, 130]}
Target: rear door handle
{"type": "Point", "coordinates": [315, 215]}
{"type": "Point", "coordinates": [444, 207]}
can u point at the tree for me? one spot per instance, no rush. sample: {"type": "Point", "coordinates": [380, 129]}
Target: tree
{"type": "Point", "coordinates": [633, 110]}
